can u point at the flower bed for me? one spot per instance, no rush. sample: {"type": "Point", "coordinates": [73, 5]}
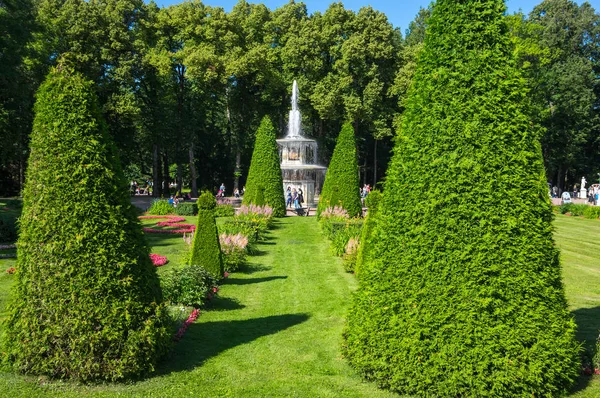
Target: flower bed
{"type": "Point", "coordinates": [172, 222]}
{"type": "Point", "coordinates": [193, 316]}
{"type": "Point", "coordinates": [158, 260]}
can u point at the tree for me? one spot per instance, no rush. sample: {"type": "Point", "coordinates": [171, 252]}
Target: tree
{"type": "Point", "coordinates": [87, 302]}
{"type": "Point", "coordinates": [557, 48]}
{"type": "Point", "coordinates": [206, 249]}
{"type": "Point", "coordinates": [264, 175]}
{"type": "Point", "coordinates": [461, 292]}
{"type": "Point", "coordinates": [341, 181]}
{"type": "Point", "coordinates": [16, 92]}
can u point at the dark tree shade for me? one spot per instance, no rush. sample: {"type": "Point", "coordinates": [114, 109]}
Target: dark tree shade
{"type": "Point", "coordinates": [341, 181]}
{"type": "Point", "coordinates": [264, 181]}
{"type": "Point", "coordinates": [206, 249]}
{"type": "Point", "coordinates": [461, 292]}
{"type": "Point", "coordinates": [87, 302]}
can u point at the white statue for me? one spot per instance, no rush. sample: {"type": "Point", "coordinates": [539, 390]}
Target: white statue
{"type": "Point", "coordinates": [583, 181]}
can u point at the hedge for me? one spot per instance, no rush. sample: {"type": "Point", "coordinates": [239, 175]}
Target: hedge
{"type": "Point", "coordinates": [341, 181]}
{"type": "Point", "coordinates": [461, 291]}
{"type": "Point", "coordinates": [206, 250]}
{"type": "Point", "coordinates": [87, 302]}
{"type": "Point", "coordinates": [264, 184]}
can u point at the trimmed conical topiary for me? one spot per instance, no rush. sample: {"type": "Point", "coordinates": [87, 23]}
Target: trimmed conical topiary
{"type": "Point", "coordinates": [264, 181]}
{"type": "Point", "coordinates": [206, 249]}
{"type": "Point", "coordinates": [341, 181]}
{"type": "Point", "coordinates": [372, 203]}
{"type": "Point", "coordinates": [87, 303]}
{"type": "Point", "coordinates": [461, 292]}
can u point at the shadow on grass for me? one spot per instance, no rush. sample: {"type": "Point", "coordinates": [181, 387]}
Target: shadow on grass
{"type": "Point", "coordinates": [253, 268]}
{"type": "Point", "coordinates": [249, 281]}
{"type": "Point", "coordinates": [588, 324]}
{"type": "Point", "coordinates": [223, 304]}
{"type": "Point", "coordinates": [206, 340]}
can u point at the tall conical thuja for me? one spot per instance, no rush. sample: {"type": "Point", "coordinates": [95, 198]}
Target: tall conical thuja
{"type": "Point", "coordinates": [341, 187]}
{"type": "Point", "coordinates": [206, 249]}
{"type": "Point", "coordinates": [87, 301]}
{"type": "Point", "coordinates": [461, 292]}
{"type": "Point", "coordinates": [265, 182]}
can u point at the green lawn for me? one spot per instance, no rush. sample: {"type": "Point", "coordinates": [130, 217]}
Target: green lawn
{"type": "Point", "coordinates": [275, 329]}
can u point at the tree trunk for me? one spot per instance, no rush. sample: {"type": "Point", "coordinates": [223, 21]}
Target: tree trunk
{"type": "Point", "coordinates": [559, 178]}
{"type": "Point", "coordinates": [156, 177]}
{"type": "Point", "coordinates": [238, 169]}
{"type": "Point", "coordinates": [179, 178]}
{"type": "Point", "coordinates": [194, 183]}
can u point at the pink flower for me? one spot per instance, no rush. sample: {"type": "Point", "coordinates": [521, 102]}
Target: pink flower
{"type": "Point", "coordinates": [158, 260]}
{"type": "Point", "coordinates": [193, 316]}
{"type": "Point", "coordinates": [226, 274]}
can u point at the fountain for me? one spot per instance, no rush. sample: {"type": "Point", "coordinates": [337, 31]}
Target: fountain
{"type": "Point", "coordinates": [298, 155]}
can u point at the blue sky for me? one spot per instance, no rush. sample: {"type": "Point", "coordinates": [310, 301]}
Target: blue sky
{"type": "Point", "coordinates": [399, 12]}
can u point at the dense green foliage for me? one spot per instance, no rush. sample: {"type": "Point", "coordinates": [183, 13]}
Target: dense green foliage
{"type": "Point", "coordinates": [372, 203]}
{"type": "Point", "coordinates": [341, 181]}
{"type": "Point", "coordinates": [264, 183]}
{"type": "Point", "coordinates": [461, 292]}
{"type": "Point", "coordinates": [161, 207]}
{"type": "Point", "coordinates": [186, 209]}
{"type": "Point", "coordinates": [87, 302]}
{"type": "Point", "coordinates": [190, 285]}
{"type": "Point", "coordinates": [206, 250]}
{"type": "Point", "coordinates": [573, 209]}
{"type": "Point", "coordinates": [224, 211]}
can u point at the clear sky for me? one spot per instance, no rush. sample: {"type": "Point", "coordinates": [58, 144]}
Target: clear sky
{"type": "Point", "coordinates": [399, 12]}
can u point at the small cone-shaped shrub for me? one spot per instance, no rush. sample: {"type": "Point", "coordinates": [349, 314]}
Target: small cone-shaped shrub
{"type": "Point", "coordinates": [372, 203]}
{"type": "Point", "coordinates": [461, 291]}
{"type": "Point", "coordinates": [206, 249]}
{"type": "Point", "coordinates": [341, 181]}
{"type": "Point", "coordinates": [87, 303]}
{"type": "Point", "coordinates": [264, 177]}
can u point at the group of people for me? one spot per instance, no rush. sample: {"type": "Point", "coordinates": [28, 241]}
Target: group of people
{"type": "Point", "coordinates": [236, 192]}
{"type": "Point", "coordinates": [294, 197]}
{"type": "Point", "coordinates": [135, 189]}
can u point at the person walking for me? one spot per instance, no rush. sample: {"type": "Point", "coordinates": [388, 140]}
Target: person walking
{"type": "Point", "coordinates": [288, 195]}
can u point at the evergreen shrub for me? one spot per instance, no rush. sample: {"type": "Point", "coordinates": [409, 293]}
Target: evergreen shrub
{"type": "Point", "coordinates": [592, 212]}
{"type": "Point", "coordinates": [186, 209]}
{"type": "Point", "coordinates": [461, 292]}
{"type": "Point", "coordinates": [87, 302]}
{"type": "Point", "coordinates": [161, 207]}
{"type": "Point", "coordinates": [190, 285]}
{"type": "Point", "coordinates": [371, 202]}
{"type": "Point", "coordinates": [341, 181]}
{"type": "Point", "coordinates": [206, 250]}
{"type": "Point", "coordinates": [264, 185]}
{"type": "Point", "coordinates": [573, 209]}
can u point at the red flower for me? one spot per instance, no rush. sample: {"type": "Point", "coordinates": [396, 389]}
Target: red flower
{"type": "Point", "coordinates": [11, 270]}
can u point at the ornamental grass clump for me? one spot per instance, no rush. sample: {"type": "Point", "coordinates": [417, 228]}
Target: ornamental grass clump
{"type": "Point", "coordinates": [372, 203]}
{"type": "Point", "coordinates": [161, 207]}
{"type": "Point", "coordinates": [264, 184]}
{"type": "Point", "coordinates": [206, 251]}
{"type": "Point", "coordinates": [87, 302]}
{"type": "Point", "coordinates": [460, 294]}
{"type": "Point", "coordinates": [341, 181]}
{"type": "Point", "coordinates": [234, 249]}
